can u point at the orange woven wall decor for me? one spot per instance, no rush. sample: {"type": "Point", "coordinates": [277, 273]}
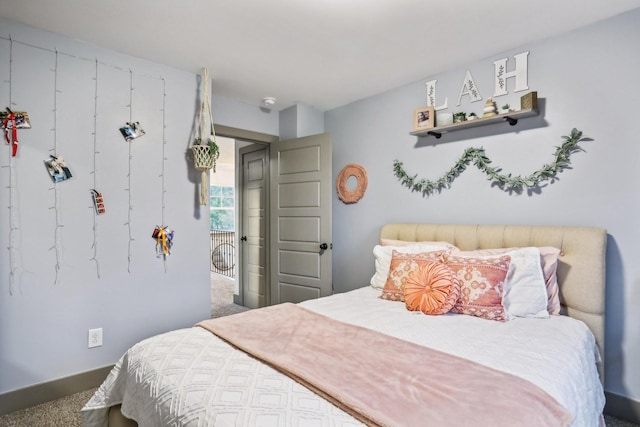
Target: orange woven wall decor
{"type": "Point", "coordinates": [360, 174]}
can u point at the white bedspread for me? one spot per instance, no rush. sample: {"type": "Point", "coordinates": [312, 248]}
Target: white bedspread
{"type": "Point", "coordinates": [189, 377]}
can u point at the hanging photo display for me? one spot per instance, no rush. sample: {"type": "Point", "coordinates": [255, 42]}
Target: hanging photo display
{"type": "Point", "coordinates": [132, 131]}
{"type": "Point", "coordinates": [164, 240]}
{"type": "Point", "coordinates": [57, 168]}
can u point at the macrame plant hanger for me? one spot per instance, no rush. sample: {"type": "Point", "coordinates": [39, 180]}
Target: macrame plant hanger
{"type": "Point", "coordinates": [205, 149]}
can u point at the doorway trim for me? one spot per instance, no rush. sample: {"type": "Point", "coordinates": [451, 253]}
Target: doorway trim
{"type": "Point", "coordinates": [245, 135]}
{"type": "Point", "coordinates": [251, 137]}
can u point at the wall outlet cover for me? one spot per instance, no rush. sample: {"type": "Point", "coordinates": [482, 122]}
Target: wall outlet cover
{"type": "Point", "coordinates": [95, 338]}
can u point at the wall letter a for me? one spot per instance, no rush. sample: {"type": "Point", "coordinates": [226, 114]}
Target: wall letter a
{"type": "Point", "coordinates": [469, 88]}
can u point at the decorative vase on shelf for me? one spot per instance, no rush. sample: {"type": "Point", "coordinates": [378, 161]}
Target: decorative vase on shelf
{"type": "Point", "coordinates": [472, 116]}
{"type": "Point", "coordinates": [444, 119]}
{"type": "Point", "coordinates": [489, 108]}
{"type": "Point", "coordinates": [505, 109]}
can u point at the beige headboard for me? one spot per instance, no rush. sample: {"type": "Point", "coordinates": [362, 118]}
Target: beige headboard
{"type": "Point", "coordinates": [581, 267]}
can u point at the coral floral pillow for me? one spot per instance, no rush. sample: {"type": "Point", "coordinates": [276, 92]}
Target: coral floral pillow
{"type": "Point", "coordinates": [402, 265]}
{"type": "Point", "coordinates": [432, 288]}
{"type": "Point", "coordinates": [549, 262]}
{"type": "Point", "coordinates": [482, 283]}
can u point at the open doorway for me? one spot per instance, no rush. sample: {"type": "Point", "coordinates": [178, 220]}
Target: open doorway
{"type": "Point", "coordinates": [233, 143]}
{"type": "Point", "coordinates": [223, 231]}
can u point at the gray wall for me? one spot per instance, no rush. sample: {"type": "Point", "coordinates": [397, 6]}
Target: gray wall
{"type": "Point", "coordinates": [300, 120]}
{"type": "Point", "coordinates": [586, 79]}
{"type": "Point", "coordinates": [44, 323]}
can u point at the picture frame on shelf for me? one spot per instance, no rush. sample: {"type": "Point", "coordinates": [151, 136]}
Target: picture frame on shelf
{"type": "Point", "coordinates": [424, 118]}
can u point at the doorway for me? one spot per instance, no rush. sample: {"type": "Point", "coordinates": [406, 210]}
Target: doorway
{"type": "Point", "coordinates": [222, 229]}
{"type": "Point", "coordinates": [290, 226]}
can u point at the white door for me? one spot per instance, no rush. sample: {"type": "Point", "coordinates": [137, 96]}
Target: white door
{"type": "Point", "coordinates": [254, 236]}
{"type": "Point", "coordinates": [301, 190]}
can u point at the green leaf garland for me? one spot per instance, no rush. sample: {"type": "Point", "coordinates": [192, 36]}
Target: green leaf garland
{"type": "Point", "coordinates": [482, 162]}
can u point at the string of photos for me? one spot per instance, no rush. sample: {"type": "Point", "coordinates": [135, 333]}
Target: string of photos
{"type": "Point", "coordinates": [13, 121]}
{"type": "Point", "coordinates": [163, 234]}
{"type": "Point", "coordinates": [58, 172]}
{"type": "Point", "coordinates": [96, 196]}
{"type": "Point", "coordinates": [505, 182]}
{"type": "Point", "coordinates": [205, 149]}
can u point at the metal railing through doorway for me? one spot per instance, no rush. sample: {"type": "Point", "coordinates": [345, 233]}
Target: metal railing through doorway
{"type": "Point", "coordinates": [223, 245]}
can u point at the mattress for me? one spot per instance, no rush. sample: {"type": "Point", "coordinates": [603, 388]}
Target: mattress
{"type": "Point", "coordinates": [189, 377]}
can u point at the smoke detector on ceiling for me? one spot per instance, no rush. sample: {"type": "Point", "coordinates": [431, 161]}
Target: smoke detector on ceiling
{"type": "Point", "coordinates": [269, 101]}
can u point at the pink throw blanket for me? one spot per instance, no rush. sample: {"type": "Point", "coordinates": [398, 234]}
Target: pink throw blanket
{"type": "Point", "coordinates": [382, 380]}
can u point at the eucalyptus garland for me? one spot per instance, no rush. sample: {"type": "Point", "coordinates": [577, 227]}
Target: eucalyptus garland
{"type": "Point", "coordinates": [482, 162]}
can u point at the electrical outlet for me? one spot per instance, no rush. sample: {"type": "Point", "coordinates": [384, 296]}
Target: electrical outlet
{"type": "Point", "coordinates": [95, 337]}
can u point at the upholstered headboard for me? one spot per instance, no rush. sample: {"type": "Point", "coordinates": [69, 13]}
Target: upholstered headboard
{"type": "Point", "coordinates": [581, 266]}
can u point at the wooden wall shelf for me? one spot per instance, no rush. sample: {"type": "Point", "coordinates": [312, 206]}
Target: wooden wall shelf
{"type": "Point", "coordinates": [511, 117]}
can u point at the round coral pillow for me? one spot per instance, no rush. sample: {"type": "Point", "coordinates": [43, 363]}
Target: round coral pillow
{"type": "Point", "coordinates": [431, 288]}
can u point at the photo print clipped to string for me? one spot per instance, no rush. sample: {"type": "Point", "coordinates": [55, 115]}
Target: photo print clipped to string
{"type": "Point", "coordinates": [164, 240]}
{"type": "Point", "coordinates": [131, 131]}
{"type": "Point", "coordinates": [98, 202]}
{"type": "Point", "coordinates": [11, 122]}
{"type": "Point", "coordinates": [57, 169]}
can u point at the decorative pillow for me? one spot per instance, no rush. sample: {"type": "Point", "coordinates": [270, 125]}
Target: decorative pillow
{"type": "Point", "coordinates": [482, 282]}
{"type": "Point", "coordinates": [432, 288]}
{"type": "Point", "coordinates": [549, 256]}
{"type": "Point", "coordinates": [401, 266]}
{"type": "Point", "coordinates": [383, 256]}
{"type": "Point", "coordinates": [549, 263]}
{"type": "Point", "coordinates": [525, 294]}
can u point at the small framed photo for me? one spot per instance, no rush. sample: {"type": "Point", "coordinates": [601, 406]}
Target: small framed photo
{"type": "Point", "coordinates": [424, 118]}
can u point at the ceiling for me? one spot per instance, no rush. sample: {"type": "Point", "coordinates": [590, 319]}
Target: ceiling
{"type": "Point", "coordinates": [323, 53]}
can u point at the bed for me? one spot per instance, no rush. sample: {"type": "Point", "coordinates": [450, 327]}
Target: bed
{"type": "Point", "coordinates": [503, 368]}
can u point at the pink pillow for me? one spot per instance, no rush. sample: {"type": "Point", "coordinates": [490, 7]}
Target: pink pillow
{"type": "Point", "coordinates": [402, 265]}
{"type": "Point", "coordinates": [549, 256]}
{"type": "Point", "coordinates": [549, 263]}
{"type": "Point", "coordinates": [482, 283]}
{"type": "Point", "coordinates": [432, 288]}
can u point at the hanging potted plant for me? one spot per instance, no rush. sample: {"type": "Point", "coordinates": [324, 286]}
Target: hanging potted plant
{"type": "Point", "coordinates": [205, 149]}
{"type": "Point", "coordinates": [205, 155]}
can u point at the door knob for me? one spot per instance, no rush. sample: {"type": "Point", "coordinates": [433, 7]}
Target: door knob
{"type": "Point", "coordinates": [323, 247]}
{"type": "Point", "coordinates": [243, 238]}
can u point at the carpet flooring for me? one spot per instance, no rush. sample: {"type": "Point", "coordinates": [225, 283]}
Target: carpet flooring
{"type": "Point", "coordinates": [222, 289]}
{"type": "Point", "coordinates": [65, 412]}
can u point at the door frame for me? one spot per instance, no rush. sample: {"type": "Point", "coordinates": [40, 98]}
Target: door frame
{"type": "Point", "coordinates": [259, 139]}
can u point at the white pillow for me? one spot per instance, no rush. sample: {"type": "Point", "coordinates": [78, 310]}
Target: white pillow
{"type": "Point", "coordinates": [525, 293]}
{"type": "Point", "coordinates": [383, 259]}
